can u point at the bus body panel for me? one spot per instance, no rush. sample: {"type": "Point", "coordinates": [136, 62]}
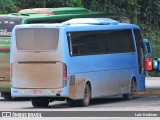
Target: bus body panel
{"type": "Point", "coordinates": [5, 86]}
{"type": "Point", "coordinates": [4, 61]}
{"type": "Point", "coordinates": [6, 26]}
{"type": "Point", "coordinates": [4, 71]}
{"type": "Point", "coordinates": [141, 83]}
{"type": "Point", "coordinates": [20, 92]}
{"type": "Point", "coordinates": [37, 74]}
{"type": "Point", "coordinates": [109, 74]}
{"type": "Point", "coordinates": [4, 64]}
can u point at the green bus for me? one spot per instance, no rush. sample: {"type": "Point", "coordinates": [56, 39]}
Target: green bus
{"type": "Point", "coordinates": [36, 15]}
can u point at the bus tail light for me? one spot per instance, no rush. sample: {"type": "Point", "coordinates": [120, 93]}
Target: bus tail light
{"type": "Point", "coordinates": [148, 63]}
{"type": "Point", "coordinates": [64, 75]}
{"type": "Point", "coordinates": [6, 22]}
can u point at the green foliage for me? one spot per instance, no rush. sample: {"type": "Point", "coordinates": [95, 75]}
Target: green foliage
{"type": "Point", "coordinates": [154, 37]}
{"type": "Point", "coordinates": [139, 11]}
{"type": "Point", "coordinates": [129, 7]}
{"type": "Point", "coordinates": [149, 13]}
{"type": "Point", "coordinates": [7, 6]}
{"type": "Point", "coordinates": [22, 4]}
{"type": "Point", "coordinates": [145, 13]}
{"type": "Point", "coordinates": [71, 3]}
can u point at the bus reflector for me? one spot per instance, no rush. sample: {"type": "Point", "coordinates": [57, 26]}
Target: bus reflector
{"type": "Point", "coordinates": [72, 80]}
{"type": "Point", "coordinates": [50, 91]}
{"type": "Point", "coordinates": [15, 91]}
{"type": "Point", "coordinates": [148, 63]}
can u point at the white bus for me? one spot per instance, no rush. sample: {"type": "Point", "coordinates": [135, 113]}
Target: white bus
{"type": "Point", "coordinates": [76, 61]}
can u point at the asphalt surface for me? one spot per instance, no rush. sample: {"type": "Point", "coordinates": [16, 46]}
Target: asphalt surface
{"type": "Point", "coordinates": [114, 103]}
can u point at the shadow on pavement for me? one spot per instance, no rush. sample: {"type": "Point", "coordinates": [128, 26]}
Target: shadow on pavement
{"type": "Point", "coordinates": [98, 101]}
{"type": "Point", "coordinates": [15, 99]}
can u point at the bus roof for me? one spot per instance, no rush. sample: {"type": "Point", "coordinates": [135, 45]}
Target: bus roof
{"type": "Point", "coordinates": [54, 14]}
{"type": "Point", "coordinates": [78, 23]}
{"type": "Point", "coordinates": [96, 21]}
{"type": "Point", "coordinates": [55, 11]}
{"type": "Point", "coordinates": [49, 15]}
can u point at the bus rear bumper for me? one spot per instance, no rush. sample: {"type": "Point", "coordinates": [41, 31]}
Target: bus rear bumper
{"type": "Point", "coordinates": [19, 92]}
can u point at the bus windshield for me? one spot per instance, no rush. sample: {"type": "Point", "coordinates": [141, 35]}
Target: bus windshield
{"type": "Point", "coordinates": [7, 24]}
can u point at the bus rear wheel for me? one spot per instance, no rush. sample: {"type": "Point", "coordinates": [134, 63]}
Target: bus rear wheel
{"type": "Point", "coordinates": [6, 96]}
{"type": "Point", "coordinates": [86, 98]}
{"type": "Point", "coordinates": [130, 95]}
{"type": "Point", "coordinates": [40, 102]}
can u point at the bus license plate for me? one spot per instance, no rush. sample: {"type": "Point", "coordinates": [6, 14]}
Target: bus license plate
{"type": "Point", "coordinates": [37, 91]}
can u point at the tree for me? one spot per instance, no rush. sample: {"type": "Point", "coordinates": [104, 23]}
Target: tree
{"type": "Point", "coordinates": [23, 4]}
{"type": "Point", "coordinates": [129, 7]}
{"type": "Point", "coordinates": [149, 13]}
{"type": "Point", "coordinates": [7, 6]}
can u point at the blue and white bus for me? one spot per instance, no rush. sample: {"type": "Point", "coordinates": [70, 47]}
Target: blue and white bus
{"type": "Point", "coordinates": [76, 61]}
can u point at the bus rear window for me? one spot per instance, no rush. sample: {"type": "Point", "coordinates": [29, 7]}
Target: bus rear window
{"type": "Point", "coordinates": [7, 24]}
{"type": "Point", "coordinates": [37, 39]}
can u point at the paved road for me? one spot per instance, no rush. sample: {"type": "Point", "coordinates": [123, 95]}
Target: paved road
{"type": "Point", "coordinates": [153, 83]}
{"type": "Point", "coordinates": [116, 103]}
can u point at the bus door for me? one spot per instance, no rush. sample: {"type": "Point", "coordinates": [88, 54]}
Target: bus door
{"type": "Point", "coordinates": [141, 59]}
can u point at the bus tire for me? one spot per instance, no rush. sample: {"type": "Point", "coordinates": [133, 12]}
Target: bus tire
{"type": "Point", "coordinates": [74, 103]}
{"type": "Point", "coordinates": [40, 102]}
{"type": "Point", "coordinates": [130, 95]}
{"type": "Point", "coordinates": [87, 97]}
{"type": "Point", "coordinates": [7, 96]}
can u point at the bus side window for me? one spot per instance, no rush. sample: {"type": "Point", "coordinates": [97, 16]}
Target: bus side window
{"type": "Point", "coordinates": [101, 42]}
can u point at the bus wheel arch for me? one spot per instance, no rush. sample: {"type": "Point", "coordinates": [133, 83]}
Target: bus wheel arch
{"type": "Point", "coordinates": [89, 84]}
{"type": "Point", "coordinates": [87, 95]}
{"type": "Point", "coordinates": [132, 89]}
{"type": "Point", "coordinates": [135, 81]}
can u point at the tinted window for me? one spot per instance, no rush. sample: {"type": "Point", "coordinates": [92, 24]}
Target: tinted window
{"type": "Point", "coordinates": [123, 41]}
{"type": "Point", "coordinates": [101, 42]}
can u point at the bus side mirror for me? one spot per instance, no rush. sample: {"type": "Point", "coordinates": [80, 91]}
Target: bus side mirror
{"type": "Point", "coordinates": [148, 48]}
